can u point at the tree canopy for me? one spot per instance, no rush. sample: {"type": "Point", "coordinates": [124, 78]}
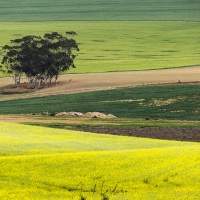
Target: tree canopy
{"type": "Point", "coordinates": [39, 58]}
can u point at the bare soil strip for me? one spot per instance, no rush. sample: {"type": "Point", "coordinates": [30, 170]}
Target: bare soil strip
{"type": "Point", "coordinates": [75, 83]}
{"type": "Point", "coordinates": [180, 134]}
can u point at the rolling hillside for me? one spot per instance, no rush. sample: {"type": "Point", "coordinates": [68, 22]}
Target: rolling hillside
{"type": "Point", "coordinates": [120, 46]}
{"type": "Point", "coordinates": [82, 10]}
{"type": "Point", "coordinates": [180, 102]}
{"type": "Point", "coordinates": [116, 35]}
{"type": "Point", "coordinates": [42, 163]}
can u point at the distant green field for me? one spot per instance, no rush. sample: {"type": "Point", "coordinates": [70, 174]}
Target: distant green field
{"type": "Point", "coordinates": [42, 163]}
{"type": "Point", "coordinates": [180, 102]}
{"type": "Point", "coordinates": [63, 10]}
{"type": "Point", "coordinates": [119, 46]}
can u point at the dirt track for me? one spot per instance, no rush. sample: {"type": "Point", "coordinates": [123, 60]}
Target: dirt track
{"type": "Point", "coordinates": [74, 83]}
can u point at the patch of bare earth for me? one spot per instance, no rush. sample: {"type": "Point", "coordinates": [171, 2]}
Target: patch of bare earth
{"type": "Point", "coordinates": [180, 134]}
{"type": "Point", "coordinates": [75, 83]}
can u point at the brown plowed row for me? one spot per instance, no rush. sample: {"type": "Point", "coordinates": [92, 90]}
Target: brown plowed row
{"type": "Point", "coordinates": [181, 134]}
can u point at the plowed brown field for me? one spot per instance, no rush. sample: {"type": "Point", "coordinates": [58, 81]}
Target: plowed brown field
{"type": "Point", "coordinates": [75, 83]}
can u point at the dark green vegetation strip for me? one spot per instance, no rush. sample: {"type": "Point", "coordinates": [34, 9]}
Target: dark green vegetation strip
{"type": "Point", "coordinates": [62, 10]}
{"type": "Point", "coordinates": [154, 102]}
{"type": "Point", "coordinates": [117, 123]}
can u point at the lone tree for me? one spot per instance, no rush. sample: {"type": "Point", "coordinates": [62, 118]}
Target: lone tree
{"type": "Point", "coordinates": [39, 58]}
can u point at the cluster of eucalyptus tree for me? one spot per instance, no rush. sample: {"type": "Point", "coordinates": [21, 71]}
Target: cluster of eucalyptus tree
{"type": "Point", "coordinates": [41, 59]}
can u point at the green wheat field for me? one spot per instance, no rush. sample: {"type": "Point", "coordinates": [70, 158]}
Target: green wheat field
{"type": "Point", "coordinates": [172, 102]}
{"type": "Point", "coordinates": [99, 10]}
{"type": "Point", "coordinates": [120, 46]}
{"type": "Point", "coordinates": [146, 34]}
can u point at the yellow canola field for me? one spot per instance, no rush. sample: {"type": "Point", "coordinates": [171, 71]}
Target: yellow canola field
{"type": "Point", "coordinates": [43, 163]}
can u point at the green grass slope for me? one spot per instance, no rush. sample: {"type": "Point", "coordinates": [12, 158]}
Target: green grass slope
{"type": "Point", "coordinates": [112, 46]}
{"type": "Point", "coordinates": [41, 163]}
{"type": "Point", "coordinates": [120, 46]}
{"type": "Point", "coordinates": [180, 102]}
{"type": "Point", "coordinates": [62, 10]}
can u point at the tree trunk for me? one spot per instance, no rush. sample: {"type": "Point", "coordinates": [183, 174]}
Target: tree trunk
{"type": "Point", "coordinates": [15, 79]}
{"type": "Point", "coordinates": [56, 79]}
{"type": "Point", "coordinates": [35, 81]}
{"type": "Point", "coordinates": [29, 80]}
{"type": "Point", "coordinates": [46, 80]}
{"type": "Point", "coordinates": [19, 78]}
{"type": "Point", "coordinates": [50, 79]}
{"type": "Point", "coordinates": [39, 82]}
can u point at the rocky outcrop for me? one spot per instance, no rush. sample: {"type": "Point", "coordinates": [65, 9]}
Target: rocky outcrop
{"type": "Point", "coordinates": [87, 115]}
